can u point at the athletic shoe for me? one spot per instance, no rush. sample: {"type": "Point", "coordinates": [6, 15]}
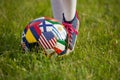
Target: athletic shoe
{"type": "Point", "coordinates": [72, 31]}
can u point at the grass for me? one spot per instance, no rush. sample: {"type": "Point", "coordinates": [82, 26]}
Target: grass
{"type": "Point", "coordinates": [96, 55]}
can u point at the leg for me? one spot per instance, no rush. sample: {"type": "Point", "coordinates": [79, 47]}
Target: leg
{"type": "Point", "coordinates": [71, 22]}
{"type": "Point", "coordinates": [69, 19]}
{"type": "Point", "coordinates": [69, 9]}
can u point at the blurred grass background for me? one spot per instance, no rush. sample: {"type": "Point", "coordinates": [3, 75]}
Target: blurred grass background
{"type": "Point", "coordinates": [96, 55]}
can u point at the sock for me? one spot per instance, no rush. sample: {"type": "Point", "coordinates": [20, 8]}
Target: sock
{"type": "Point", "coordinates": [69, 9]}
{"type": "Point", "coordinates": [57, 9]}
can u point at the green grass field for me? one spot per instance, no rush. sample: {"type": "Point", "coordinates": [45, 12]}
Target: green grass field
{"type": "Point", "coordinates": [96, 55]}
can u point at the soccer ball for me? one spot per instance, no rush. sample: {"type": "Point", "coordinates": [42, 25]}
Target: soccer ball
{"type": "Point", "coordinates": [47, 33]}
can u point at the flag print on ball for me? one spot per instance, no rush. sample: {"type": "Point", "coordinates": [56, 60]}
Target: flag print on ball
{"type": "Point", "coordinates": [60, 47]}
{"type": "Point", "coordinates": [30, 35]}
{"type": "Point", "coordinates": [55, 27]}
{"type": "Point", "coordinates": [47, 40]}
{"type": "Point", "coordinates": [48, 33]}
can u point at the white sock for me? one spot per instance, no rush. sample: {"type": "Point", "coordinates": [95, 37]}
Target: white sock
{"type": "Point", "coordinates": [69, 7]}
{"type": "Point", "coordinates": [57, 9]}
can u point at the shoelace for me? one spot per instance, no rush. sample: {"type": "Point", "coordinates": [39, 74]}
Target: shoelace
{"type": "Point", "coordinates": [70, 30]}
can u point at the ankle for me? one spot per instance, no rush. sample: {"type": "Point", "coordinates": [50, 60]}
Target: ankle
{"type": "Point", "coordinates": [70, 21]}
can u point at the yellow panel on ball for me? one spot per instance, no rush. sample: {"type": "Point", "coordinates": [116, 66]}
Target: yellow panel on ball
{"type": "Point", "coordinates": [29, 37]}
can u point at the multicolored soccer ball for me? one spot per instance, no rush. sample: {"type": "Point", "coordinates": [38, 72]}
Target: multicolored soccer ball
{"type": "Point", "coordinates": [47, 33]}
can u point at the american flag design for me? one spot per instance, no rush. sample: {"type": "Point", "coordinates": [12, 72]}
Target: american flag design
{"type": "Point", "coordinates": [47, 40]}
